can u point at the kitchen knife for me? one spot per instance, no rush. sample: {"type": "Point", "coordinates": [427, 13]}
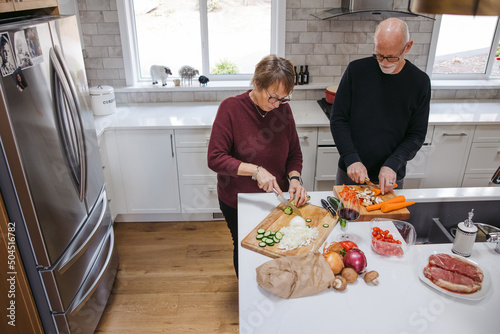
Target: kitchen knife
{"type": "Point", "coordinates": [287, 203]}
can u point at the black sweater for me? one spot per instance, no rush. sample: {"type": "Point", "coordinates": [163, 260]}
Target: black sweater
{"type": "Point", "coordinates": [380, 119]}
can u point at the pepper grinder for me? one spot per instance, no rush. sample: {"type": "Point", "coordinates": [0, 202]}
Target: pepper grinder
{"type": "Point", "coordinates": [465, 237]}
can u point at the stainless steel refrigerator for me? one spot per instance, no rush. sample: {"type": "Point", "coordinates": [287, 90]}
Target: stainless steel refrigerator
{"type": "Point", "coordinates": [51, 174]}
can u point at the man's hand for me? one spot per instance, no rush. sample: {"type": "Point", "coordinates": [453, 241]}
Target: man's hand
{"type": "Point", "coordinates": [386, 179]}
{"type": "Point", "coordinates": [357, 172]}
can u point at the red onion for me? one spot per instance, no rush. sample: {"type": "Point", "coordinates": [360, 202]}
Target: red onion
{"type": "Point", "coordinates": [355, 259]}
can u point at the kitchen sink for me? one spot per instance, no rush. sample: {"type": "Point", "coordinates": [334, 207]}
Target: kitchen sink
{"type": "Point", "coordinates": [434, 222]}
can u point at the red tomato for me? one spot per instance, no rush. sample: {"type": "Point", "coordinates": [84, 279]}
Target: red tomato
{"type": "Point", "coordinates": [347, 245]}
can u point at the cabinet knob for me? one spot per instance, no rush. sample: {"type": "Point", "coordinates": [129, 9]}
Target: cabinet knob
{"type": "Point", "coordinates": [303, 138]}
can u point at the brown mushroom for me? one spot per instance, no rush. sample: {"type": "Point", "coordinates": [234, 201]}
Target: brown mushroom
{"type": "Point", "coordinates": [340, 283]}
{"type": "Point", "coordinates": [350, 275]}
{"type": "Point", "coordinates": [371, 277]}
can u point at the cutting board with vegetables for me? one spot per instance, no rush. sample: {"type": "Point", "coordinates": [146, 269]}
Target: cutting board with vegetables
{"type": "Point", "coordinates": [320, 218]}
{"type": "Point", "coordinates": [364, 215]}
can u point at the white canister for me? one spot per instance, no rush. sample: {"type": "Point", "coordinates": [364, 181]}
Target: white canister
{"type": "Point", "coordinates": [102, 100]}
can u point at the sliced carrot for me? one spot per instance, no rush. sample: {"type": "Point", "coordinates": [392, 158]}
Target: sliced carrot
{"type": "Point", "coordinates": [376, 191]}
{"type": "Point", "coordinates": [378, 206]}
{"type": "Point", "coordinates": [386, 207]}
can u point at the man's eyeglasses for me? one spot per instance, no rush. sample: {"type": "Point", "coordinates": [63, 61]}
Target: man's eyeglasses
{"type": "Point", "coordinates": [390, 59]}
{"type": "Point", "coordinates": [273, 99]}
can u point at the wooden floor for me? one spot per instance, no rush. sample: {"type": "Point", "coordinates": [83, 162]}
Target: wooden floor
{"type": "Point", "coordinates": [174, 277]}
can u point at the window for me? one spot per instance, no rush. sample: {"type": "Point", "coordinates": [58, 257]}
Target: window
{"type": "Point", "coordinates": [466, 47]}
{"type": "Point", "coordinates": [222, 39]}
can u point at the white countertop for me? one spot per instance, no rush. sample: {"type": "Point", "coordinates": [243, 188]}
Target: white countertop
{"type": "Point", "coordinates": [401, 303]}
{"type": "Point", "coordinates": [307, 113]}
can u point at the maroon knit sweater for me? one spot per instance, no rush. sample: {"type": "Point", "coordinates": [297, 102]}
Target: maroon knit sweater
{"type": "Point", "coordinates": [240, 134]}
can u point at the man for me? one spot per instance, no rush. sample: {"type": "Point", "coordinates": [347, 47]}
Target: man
{"type": "Point", "coordinates": [380, 112]}
{"type": "Point", "coordinates": [7, 66]}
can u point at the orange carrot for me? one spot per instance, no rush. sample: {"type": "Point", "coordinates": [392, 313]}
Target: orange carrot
{"type": "Point", "coordinates": [378, 206]}
{"type": "Point", "coordinates": [376, 191]}
{"type": "Point", "coordinates": [395, 206]}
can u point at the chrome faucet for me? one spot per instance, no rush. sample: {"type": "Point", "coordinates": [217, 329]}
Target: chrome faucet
{"type": "Point", "coordinates": [491, 237]}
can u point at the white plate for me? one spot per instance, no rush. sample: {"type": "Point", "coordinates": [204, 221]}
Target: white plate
{"type": "Point", "coordinates": [471, 296]}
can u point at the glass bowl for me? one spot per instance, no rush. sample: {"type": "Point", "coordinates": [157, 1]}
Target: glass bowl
{"type": "Point", "coordinates": [392, 238]}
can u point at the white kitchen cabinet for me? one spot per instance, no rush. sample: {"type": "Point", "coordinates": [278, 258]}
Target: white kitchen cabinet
{"type": "Point", "coordinates": [308, 138]}
{"type": "Point", "coordinates": [197, 182]}
{"type": "Point", "coordinates": [448, 156]}
{"type": "Point", "coordinates": [484, 157]}
{"type": "Point", "coordinates": [144, 171]}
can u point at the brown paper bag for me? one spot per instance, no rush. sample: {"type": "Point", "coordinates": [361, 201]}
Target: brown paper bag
{"type": "Point", "coordinates": [295, 276]}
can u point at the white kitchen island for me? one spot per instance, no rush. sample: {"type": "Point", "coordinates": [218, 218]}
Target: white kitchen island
{"type": "Point", "coordinates": [401, 303]}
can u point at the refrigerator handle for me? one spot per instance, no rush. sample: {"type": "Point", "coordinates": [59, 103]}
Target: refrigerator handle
{"type": "Point", "coordinates": [61, 87]}
{"type": "Point", "coordinates": [80, 300]}
{"type": "Point", "coordinates": [77, 116]}
{"type": "Point", "coordinates": [67, 263]}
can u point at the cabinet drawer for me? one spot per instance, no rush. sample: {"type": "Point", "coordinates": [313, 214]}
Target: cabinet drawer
{"type": "Point", "coordinates": [483, 158]}
{"type": "Point", "coordinates": [199, 196]}
{"type": "Point", "coordinates": [326, 166]}
{"type": "Point", "coordinates": [325, 136]}
{"type": "Point", "coordinates": [192, 163]}
{"type": "Point", "coordinates": [487, 134]}
{"type": "Point", "coordinates": [192, 137]}
{"type": "Point", "coordinates": [478, 180]}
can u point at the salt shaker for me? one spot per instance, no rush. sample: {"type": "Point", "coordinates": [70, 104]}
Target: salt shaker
{"type": "Point", "coordinates": [465, 237]}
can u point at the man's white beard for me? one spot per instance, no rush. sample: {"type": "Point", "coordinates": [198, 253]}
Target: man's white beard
{"type": "Point", "coordinates": [387, 70]}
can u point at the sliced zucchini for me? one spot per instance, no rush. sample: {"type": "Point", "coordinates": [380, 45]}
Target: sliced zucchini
{"type": "Point", "coordinates": [267, 233]}
{"type": "Point", "coordinates": [259, 236]}
{"type": "Point", "coordinates": [261, 231]}
{"type": "Point", "coordinates": [288, 210]}
{"type": "Point", "coordinates": [276, 240]}
{"type": "Point", "coordinates": [308, 220]}
{"type": "Point", "coordinates": [269, 241]}
{"type": "Point", "coordinates": [326, 225]}
{"type": "Point", "coordinates": [279, 235]}
{"type": "Point", "coordinates": [262, 244]}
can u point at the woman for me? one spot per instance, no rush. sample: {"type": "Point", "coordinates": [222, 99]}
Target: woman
{"type": "Point", "coordinates": [254, 145]}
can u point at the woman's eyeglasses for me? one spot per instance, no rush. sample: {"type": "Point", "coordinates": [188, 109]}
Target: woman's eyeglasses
{"type": "Point", "coordinates": [390, 59]}
{"type": "Point", "coordinates": [273, 99]}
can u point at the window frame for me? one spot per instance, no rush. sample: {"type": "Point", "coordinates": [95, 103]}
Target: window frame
{"type": "Point", "coordinates": [131, 56]}
{"type": "Point", "coordinates": [461, 76]}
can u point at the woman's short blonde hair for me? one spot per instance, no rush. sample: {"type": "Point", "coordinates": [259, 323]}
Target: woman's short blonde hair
{"type": "Point", "coordinates": [273, 70]}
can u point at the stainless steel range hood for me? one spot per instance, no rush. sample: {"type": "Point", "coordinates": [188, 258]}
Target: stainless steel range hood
{"type": "Point", "coordinates": [379, 8]}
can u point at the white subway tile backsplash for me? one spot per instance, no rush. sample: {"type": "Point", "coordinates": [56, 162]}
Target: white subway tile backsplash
{"type": "Point", "coordinates": [296, 25]}
{"type": "Point", "coordinates": [321, 49]}
{"type": "Point", "coordinates": [89, 28]}
{"type": "Point", "coordinates": [309, 37]}
{"type": "Point", "coordinates": [108, 28]}
{"type": "Point", "coordinates": [98, 4]}
{"type": "Point", "coordinates": [91, 17]}
{"type": "Point", "coordinates": [112, 63]}
{"type": "Point", "coordinates": [302, 49]}
{"type": "Point", "coordinates": [103, 40]}
{"type": "Point", "coordinates": [96, 52]}
{"type": "Point", "coordinates": [110, 16]}
{"type": "Point", "coordinates": [316, 59]}
{"type": "Point", "coordinates": [160, 97]}
{"type": "Point", "coordinates": [346, 49]}
{"type": "Point", "coordinates": [332, 37]}
{"type": "Point", "coordinates": [355, 37]}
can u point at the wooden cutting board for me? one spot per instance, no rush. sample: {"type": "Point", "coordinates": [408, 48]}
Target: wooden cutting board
{"type": "Point", "coordinates": [278, 219]}
{"type": "Point", "coordinates": [401, 214]}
